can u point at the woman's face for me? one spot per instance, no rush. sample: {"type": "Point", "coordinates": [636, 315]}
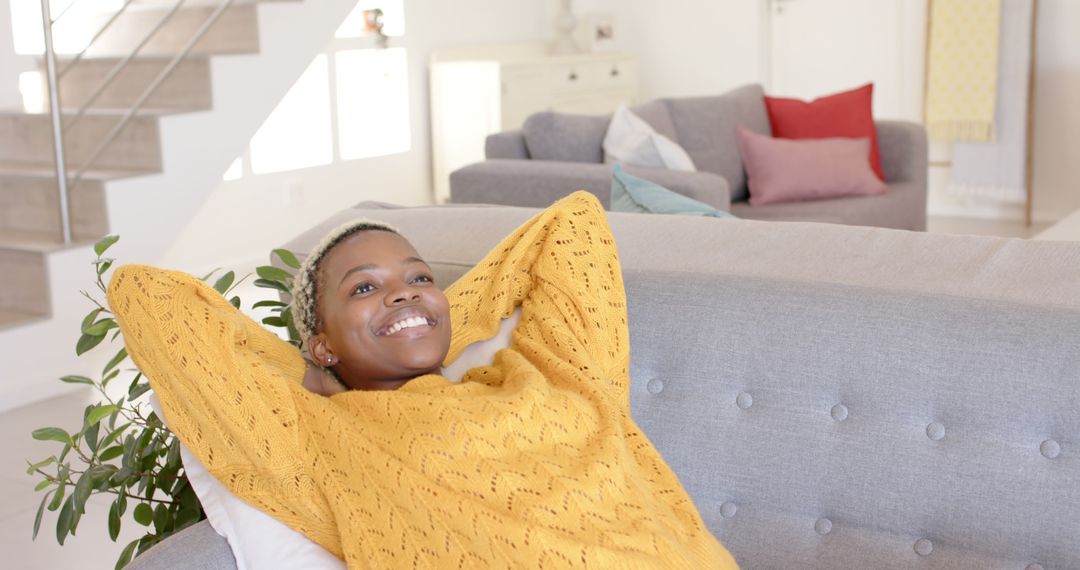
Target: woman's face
{"type": "Point", "coordinates": [382, 320]}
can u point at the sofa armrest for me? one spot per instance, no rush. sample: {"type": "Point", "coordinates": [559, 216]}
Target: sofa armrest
{"type": "Point", "coordinates": [538, 183]}
{"type": "Point", "coordinates": [197, 546]}
{"type": "Point", "coordinates": [507, 144]}
{"type": "Point", "coordinates": [903, 150]}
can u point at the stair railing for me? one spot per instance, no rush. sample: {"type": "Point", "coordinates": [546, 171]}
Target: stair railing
{"type": "Point", "coordinates": [64, 185]}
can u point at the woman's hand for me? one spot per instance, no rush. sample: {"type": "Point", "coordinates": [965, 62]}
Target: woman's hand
{"type": "Point", "coordinates": [319, 381]}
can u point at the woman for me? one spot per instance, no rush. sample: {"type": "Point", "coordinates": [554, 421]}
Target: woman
{"type": "Point", "coordinates": [531, 462]}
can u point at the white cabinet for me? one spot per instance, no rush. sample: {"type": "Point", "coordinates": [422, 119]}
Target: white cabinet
{"type": "Point", "coordinates": [479, 91]}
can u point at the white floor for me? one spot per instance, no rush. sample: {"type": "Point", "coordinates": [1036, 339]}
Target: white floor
{"type": "Point", "coordinates": [92, 549]}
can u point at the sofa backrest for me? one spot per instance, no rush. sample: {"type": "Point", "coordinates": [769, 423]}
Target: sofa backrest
{"type": "Point", "coordinates": [841, 397]}
{"type": "Point", "coordinates": [703, 126]}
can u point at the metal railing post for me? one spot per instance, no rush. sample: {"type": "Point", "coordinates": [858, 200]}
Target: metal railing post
{"type": "Point", "coordinates": [57, 122]}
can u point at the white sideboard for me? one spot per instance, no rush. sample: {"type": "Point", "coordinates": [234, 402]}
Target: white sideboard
{"type": "Point", "coordinates": [479, 91]}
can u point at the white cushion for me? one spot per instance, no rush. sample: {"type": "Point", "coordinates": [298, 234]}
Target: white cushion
{"type": "Point", "coordinates": [630, 140]}
{"type": "Point", "coordinates": [259, 541]}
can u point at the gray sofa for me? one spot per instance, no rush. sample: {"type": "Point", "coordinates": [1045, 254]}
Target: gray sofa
{"type": "Point", "coordinates": [554, 154]}
{"type": "Point", "coordinates": [830, 396]}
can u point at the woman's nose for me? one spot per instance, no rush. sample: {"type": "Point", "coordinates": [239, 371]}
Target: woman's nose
{"type": "Point", "coordinates": [403, 294]}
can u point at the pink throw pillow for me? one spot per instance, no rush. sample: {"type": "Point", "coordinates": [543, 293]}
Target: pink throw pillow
{"type": "Point", "coordinates": [784, 170]}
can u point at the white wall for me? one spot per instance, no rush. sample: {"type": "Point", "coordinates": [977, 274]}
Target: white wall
{"type": "Point", "coordinates": [1057, 110]}
{"type": "Point", "coordinates": [263, 211]}
{"type": "Point", "coordinates": [692, 47]}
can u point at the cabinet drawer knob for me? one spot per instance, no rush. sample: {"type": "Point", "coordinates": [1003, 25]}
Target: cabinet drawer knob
{"type": "Point", "coordinates": [572, 76]}
{"type": "Point", "coordinates": [615, 72]}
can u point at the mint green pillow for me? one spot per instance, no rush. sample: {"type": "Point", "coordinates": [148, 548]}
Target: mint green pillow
{"type": "Point", "coordinates": [633, 194]}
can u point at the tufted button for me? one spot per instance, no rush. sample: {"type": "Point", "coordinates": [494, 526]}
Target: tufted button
{"type": "Point", "coordinates": [728, 509]}
{"type": "Point", "coordinates": [655, 386]}
{"type": "Point", "coordinates": [1050, 449]}
{"type": "Point", "coordinates": [935, 431]}
{"type": "Point", "coordinates": [923, 547]}
{"type": "Point", "coordinates": [1034, 566]}
{"type": "Point", "coordinates": [823, 526]}
{"type": "Point", "coordinates": [744, 400]}
{"type": "Point", "coordinates": [839, 412]}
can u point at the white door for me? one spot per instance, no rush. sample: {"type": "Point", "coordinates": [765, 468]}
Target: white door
{"type": "Point", "coordinates": [819, 47]}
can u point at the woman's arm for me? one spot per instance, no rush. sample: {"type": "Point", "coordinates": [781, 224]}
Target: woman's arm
{"type": "Point", "coordinates": [562, 268]}
{"type": "Point", "coordinates": [230, 389]}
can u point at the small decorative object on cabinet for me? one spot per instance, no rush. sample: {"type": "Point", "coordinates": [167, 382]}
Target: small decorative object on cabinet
{"type": "Point", "coordinates": [479, 91]}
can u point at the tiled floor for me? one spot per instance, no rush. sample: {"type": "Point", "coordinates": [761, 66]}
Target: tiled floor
{"type": "Point", "coordinates": [92, 549]}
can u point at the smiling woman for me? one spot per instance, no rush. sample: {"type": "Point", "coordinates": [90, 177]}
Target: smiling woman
{"type": "Point", "coordinates": [532, 461]}
{"type": "Point", "coordinates": [372, 313]}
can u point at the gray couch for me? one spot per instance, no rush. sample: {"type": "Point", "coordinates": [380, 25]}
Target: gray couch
{"type": "Point", "coordinates": [830, 396]}
{"type": "Point", "coordinates": [554, 154]}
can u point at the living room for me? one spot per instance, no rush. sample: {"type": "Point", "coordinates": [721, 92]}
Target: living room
{"type": "Point", "coordinates": [274, 179]}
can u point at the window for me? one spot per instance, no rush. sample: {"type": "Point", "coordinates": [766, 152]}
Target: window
{"type": "Point", "coordinates": [351, 103]}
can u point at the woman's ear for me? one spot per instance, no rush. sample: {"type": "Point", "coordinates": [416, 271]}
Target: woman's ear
{"type": "Point", "coordinates": [321, 353]}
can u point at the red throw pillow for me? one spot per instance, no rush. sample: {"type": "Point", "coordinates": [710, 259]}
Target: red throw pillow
{"type": "Point", "coordinates": [847, 115]}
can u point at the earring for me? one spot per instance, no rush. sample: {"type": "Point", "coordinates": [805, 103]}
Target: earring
{"type": "Point", "coordinates": [329, 360]}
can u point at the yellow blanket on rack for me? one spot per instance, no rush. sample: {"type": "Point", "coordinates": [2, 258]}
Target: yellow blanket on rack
{"type": "Point", "coordinates": [532, 462]}
{"type": "Point", "coordinates": [961, 86]}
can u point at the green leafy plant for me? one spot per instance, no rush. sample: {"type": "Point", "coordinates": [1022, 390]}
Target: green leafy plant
{"type": "Point", "coordinates": [122, 449]}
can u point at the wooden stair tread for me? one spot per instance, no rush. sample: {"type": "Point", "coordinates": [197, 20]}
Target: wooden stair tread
{"type": "Point", "coordinates": [34, 242]}
{"type": "Point", "coordinates": [45, 170]}
{"type": "Point", "coordinates": [11, 318]}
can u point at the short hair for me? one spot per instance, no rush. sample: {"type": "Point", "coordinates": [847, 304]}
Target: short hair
{"type": "Point", "coordinates": [305, 288]}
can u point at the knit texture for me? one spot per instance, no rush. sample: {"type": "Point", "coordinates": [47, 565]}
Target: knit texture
{"type": "Point", "coordinates": [531, 462]}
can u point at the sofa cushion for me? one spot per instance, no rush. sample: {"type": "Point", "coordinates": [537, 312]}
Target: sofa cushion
{"type": "Point", "coordinates": [633, 194]}
{"type": "Point", "coordinates": [846, 114]}
{"type": "Point", "coordinates": [630, 140]}
{"type": "Point", "coordinates": [705, 127]}
{"type": "Point", "coordinates": [565, 137]}
{"type": "Point", "coordinates": [782, 170]}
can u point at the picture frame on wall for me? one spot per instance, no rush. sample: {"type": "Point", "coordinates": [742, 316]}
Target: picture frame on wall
{"type": "Point", "coordinates": [600, 32]}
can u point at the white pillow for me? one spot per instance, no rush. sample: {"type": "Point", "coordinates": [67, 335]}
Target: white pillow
{"type": "Point", "coordinates": [630, 140]}
{"type": "Point", "coordinates": [259, 541]}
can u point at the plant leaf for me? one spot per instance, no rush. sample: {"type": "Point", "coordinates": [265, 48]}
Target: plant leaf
{"type": "Point", "coordinates": [83, 487]}
{"type": "Point", "coordinates": [58, 497]}
{"type": "Point", "coordinates": [100, 327]}
{"type": "Point", "coordinates": [272, 273]}
{"type": "Point", "coordinates": [104, 266]}
{"type": "Point", "coordinates": [52, 434]}
{"type": "Point", "coordinates": [269, 303]}
{"type": "Point", "coordinates": [274, 321]}
{"type": "Point", "coordinates": [87, 342]}
{"type": "Point", "coordinates": [111, 453]}
{"type": "Point", "coordinates": [105, 243]}
{"type": "Point", "coordinates": [143, 514]}
{"type": "Point", "coordinates": [89, 319]}
{"type": "Point", "coordinates": [116, 360]}
{"type": "Point", "coordinates": [100, 412]}
{"type": "Point", "coordinates": [90, 436]}
{"type": "Point", "coordinates": [115, 433]}
{"type": "Point", "coordinates": [268, 284]}
{"type": "Point", "coordinates": [137, 391]}
{"type": "Point", "coordinates": [63, 523]}
{"type": "Point", "coordinates": [125, 555]}
{"type": "Point", "coordinates": [224, 282]}
{"type": "Point", "coordinates": [287, 257]}
{"type": "Point", "coordinates": [235, 302]}
{"type": "Point", "coordinates": [114, 522]}
{"type": "Point", "coordinates": [42, 485]}
{"type": "Point", "coordinates": [35, 466]}
{"type": "Point", "coordinates": [37, 517]}
{"type": "Point", "coordinates": [76, 380]}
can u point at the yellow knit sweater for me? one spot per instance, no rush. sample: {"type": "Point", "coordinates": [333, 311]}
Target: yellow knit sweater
{"type": "Point", "coordinates": [532, 462]}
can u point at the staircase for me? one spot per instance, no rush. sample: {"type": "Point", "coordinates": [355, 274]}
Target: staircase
{"type": "Point", "coordinates": [157, 172]}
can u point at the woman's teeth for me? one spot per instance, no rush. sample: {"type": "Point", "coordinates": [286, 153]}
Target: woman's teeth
{"type": "Point", "coordinates": [405, 324]}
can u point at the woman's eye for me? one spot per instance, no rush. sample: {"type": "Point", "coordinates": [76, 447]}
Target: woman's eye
{"type": "Point", "coordinates": [423, 279]}
{"type": "Point", "coordinates": [363, 288]}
